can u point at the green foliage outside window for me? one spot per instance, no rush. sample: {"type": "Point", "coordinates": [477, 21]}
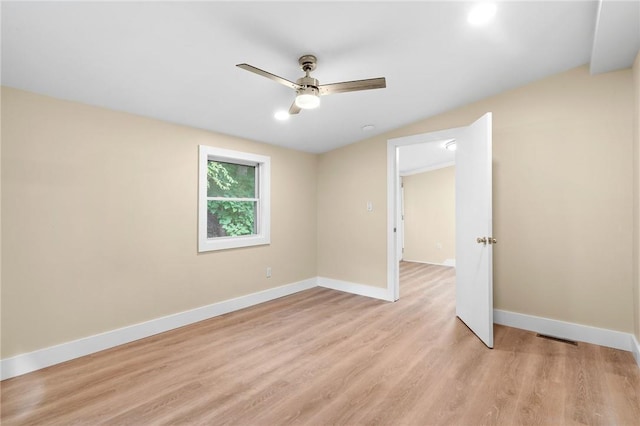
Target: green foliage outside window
{"type": "Point", "coordinates": [231, 218]}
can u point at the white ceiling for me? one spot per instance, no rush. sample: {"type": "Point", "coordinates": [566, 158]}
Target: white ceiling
{"type": "Point", "coordinates": [175, 61]}
{"type": "Point", "coordinates": [424, 157]}
{"type": "Point", "coordinates": [617, 39]}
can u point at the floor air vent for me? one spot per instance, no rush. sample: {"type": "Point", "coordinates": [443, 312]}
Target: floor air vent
{"type": "Point", "coordinates": [557, 339]}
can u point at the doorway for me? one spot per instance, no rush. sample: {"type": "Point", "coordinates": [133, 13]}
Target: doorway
{"type": "Point", "coordinates": [427, 201]}
{"type": "Point", "coordinates": [429, 144]}
{"type": "Point", "coordinates": [474, 239]}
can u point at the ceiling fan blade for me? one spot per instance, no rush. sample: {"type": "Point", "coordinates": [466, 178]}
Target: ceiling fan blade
{"type": "Point", "coordinates": [273, 77]}
{"type": "Point", "coordinates": [352, 86]}
{"type": "Point", "coordinates": [294, 109]}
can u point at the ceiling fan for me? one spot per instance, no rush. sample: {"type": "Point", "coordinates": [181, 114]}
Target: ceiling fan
{"type": "Point", "coordinates": [308, 89]}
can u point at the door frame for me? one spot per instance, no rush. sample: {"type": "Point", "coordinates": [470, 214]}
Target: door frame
{"type": "Point", "coordinates": [393, 198]}
{"type": "Point", "coordinates": [400, 249]}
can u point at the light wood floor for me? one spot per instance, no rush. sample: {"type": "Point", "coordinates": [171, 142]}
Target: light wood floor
{"type": "Point", "coordinates": [326, 357]}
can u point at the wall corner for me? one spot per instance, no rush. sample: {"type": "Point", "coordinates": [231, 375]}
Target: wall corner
{"type": "Point", "coordinates": [636, 196]}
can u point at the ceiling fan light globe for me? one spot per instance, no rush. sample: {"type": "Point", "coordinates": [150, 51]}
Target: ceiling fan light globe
{"type": "Point", "coordinates": [307, 101]}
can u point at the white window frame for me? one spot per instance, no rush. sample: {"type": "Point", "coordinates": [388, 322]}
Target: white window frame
{"type": "Point", "coordinates": [263, 215]}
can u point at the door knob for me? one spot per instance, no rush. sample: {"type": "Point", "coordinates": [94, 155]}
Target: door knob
{"type": "Point", "coordinates": [486, 240]}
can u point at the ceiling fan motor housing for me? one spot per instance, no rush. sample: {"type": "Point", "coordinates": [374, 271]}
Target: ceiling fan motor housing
{"type": "Point", "coordinates": [308, 82]}
{"type": "Point", "coordinates": [308, 63]}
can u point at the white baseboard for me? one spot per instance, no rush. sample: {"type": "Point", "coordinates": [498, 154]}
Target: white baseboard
{"type": "Point", "coordinates": [636, 350]}
{"type": "Point", "coordinates": [567, 330]}
{"type": "Point", "coordinates": [359, 289]}
{"type": "Point", "coordinates": [28, 362]}
{"type": "Point", "coordinates": [36, 360]}
{"type": "Point", "coordinates": [447, 262]}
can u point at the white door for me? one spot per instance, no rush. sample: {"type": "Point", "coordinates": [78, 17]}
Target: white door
{"type": "Point", "coordinates": [474, 237]}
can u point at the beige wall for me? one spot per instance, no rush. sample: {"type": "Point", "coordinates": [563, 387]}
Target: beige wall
{"type": "Point", "coordinates": [349, 235]}
{"type": "Point", "coordinates": [99, 212]}
{"type": "Point", "coordinates": [99, 217]}
{"type": "Point", "coordinates": [429, 216]}
{"type": "Point", "coordinates": [562, 199]}
{"type": "Point", "coordinates": [636, 196]}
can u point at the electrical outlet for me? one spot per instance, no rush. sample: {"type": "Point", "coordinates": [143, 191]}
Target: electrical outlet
{"type": "Point", "coordinates": [439, 245]}
{"type": "Point", "coordinates": [268, 271]}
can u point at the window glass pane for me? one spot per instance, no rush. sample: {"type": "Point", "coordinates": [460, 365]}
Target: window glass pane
{"type": "Point", "coordinates": [231, 218]}
{"type": "Point", "coordinates": [230, 180]}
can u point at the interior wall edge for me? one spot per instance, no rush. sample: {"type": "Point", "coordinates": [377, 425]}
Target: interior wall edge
{"type": "Point", "coordinates": [355, 288]}
{"type": "Point", "coordinates": [636, 350]}
{"type": "Point", "coordinates": [636, 197]}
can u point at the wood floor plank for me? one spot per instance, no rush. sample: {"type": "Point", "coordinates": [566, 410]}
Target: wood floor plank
{"type": "Point", "coordinates": [502, 378]}
{"type": "Point", "coordinates": [540, 400]}
{"type": "Point", "coordinates": [326, 357]}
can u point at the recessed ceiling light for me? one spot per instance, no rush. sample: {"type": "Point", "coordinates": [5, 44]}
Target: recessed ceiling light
{"type": "Point", "coordinates": [451, 145]}
{"type": "Point", "coordinates": [281, 115]}
{"type": "Point", "coordinates": [481, 13]}
{"type": "Point", "coordinates": [368, 127]}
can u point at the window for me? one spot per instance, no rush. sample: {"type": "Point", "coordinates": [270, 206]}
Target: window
{"type": "Point", "coordinates": [234, 192]}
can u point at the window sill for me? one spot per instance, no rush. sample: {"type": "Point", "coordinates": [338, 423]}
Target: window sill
{"type": "Point", "coordinates": [233, 242]}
